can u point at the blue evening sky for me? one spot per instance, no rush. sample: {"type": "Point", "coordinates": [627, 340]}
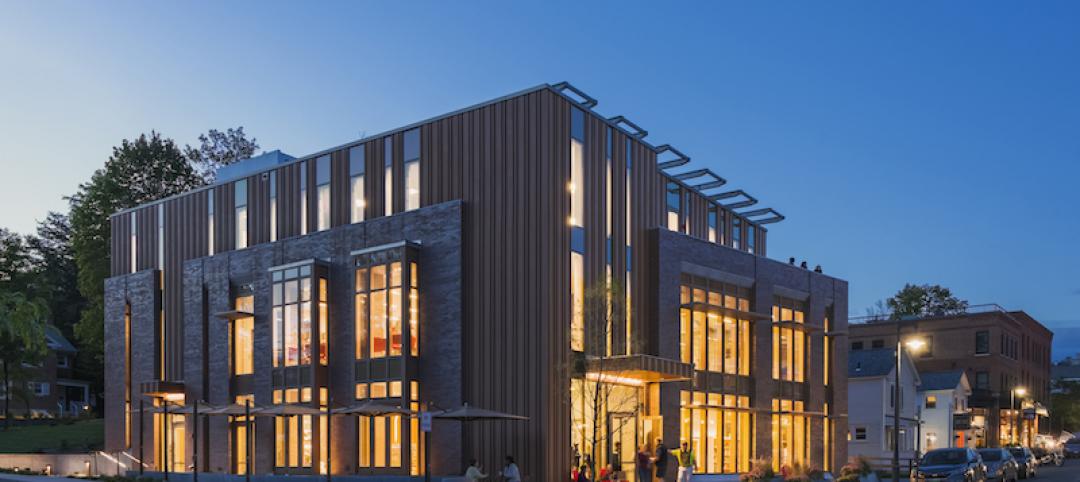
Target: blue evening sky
{"type": "Point", "coordinates": [927, 142]}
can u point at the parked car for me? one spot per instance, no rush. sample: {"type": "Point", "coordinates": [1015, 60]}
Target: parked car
{"type": "Point", "coordinates": [1053, 455]}
{"type": "Point", "coordinates": [951, 465]}
{"type": "Point", "coordinates": [1000, 465]}
{"type": "Point", "coordinates": [1072, 447]}
{"type": "Point", "coordinates": [1027, 462]}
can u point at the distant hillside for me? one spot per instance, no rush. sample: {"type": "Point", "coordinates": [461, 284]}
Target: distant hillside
{"type": "Point", "coordinates": [1066, 338]}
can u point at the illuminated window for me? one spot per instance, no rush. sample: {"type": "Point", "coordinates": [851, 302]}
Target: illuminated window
{"type": "Point", "coordinates": [412, 169]}
{"type": "Point", "coordinates": [713, 335]}
{"type": "Point", "coordinates": [790, 433]}
{"type": "Point", "coordinates": [736, 232]}
{"type": "Point", "coordinates": [324, 321]}
{"type": "Point", "coordinates": [576, 185]}
{"type": "Point", "coordinates": [273, 206]}
{"type": "Point", "coordinates": [629, 245]}
{"type": "Point", "coordinates": [161, 236]}
{"type": "Point", "coordinates": [243, 337]}
{"type": "Point", "coordinates": [789, 340]}
{"type": "Point", "coordinates": [576, 220]}
{"type": "Point", "coordinates": [303, 198]}
{"type": "Point", "coordinates": [577, 295]}
{"type": "Point", "coordinates": [358, 203]}
{"type": "Point", "coordinates": [383, 315]}
{"type": "Point", "coordinates": [388, 175]}
{"type": "Point", "coordinates": [674, 204]}
{"type": "Point", "coordinates": [242, 442]}
{"type": "Point", "coordinates": [931, 400]}
{"type": "Point", "coordinates": [127, 374]}
{"type": "Point", "coordinates": [292, 315]}
{"type": "Point", "coordinates": [240, 197]}
{"type": "Point", "coordinates": [713, 228]}
{"type": "Point", "coordinates": [719, 429]}
{"type": "Point", "coordinates": [135, 241]}
{"type": "Point", "coordinates": [322, 193]}
{"type": "Point", "coordinates": [210, 222]}
{"type": "Point", "coordinates": [750, 230]}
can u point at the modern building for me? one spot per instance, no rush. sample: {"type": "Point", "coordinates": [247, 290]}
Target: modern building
{"type": "Point", "coordinates": [456, 260]}
{"type": "Point", "coordinates": [946, 419]}
{"type": "Point", "coordinates": [1004, 354]}
{"type": "Point", "coordinates": [52, 388]}
{"type": "Point", "coordinates": [872, 395]}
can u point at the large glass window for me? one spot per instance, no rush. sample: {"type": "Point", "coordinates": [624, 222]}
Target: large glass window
{"type": "Point", "coordinates": [388, 175]}
{"type": "Point", "coordinates": [303, 198]}
{"type": "Point", "coordinates": [294, 435]}
{"type": "Point", "coordinates": [243, 443]}
{"type": "Point", "coordinates": [381, 439]}
{"type": "Point", "coordinates": [789, 340]}
{"type": "Point", "coordinates": [790, 434]}
{"type": "Point", "coordinates": [322, 193]}
{"type": "Point", "coordinates": [243, 336]}
{"type": "Point", "coordinates": [292, 311]}
{"type": "Point", "coordinates": [357, 204]}
{"type": "Point", "coordinates": [719, 428]}
{"type": "Point", "coordinates": [240, 194]}
{"type": "Point", "coordinates": [382, 312]}
{"type": "Point", "coordinates": [273, 206]}
{"type": "Point", "coordinates": [412, 169]}
{"type": "Point", "coordinates": [715, 333]}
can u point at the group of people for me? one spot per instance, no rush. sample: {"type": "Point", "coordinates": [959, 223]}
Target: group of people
{"type": "Point", "coordinates": [509, 472]}
{"type": "Point", "coordinates": [647, 466]}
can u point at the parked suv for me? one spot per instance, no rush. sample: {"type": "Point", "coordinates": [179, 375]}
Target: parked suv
{"type": "Point", "coordinates": [1000, 465]}
{"type": "Point", "coordinates": [1026, 461]}
{"type": "Point", "coordinates": [1072, 448]}
{"type": "Point", "coordinates": [951, 465]}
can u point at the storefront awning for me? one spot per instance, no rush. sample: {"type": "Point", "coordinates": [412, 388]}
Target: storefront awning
{"type": "Point", "coordinates": [637, 369]}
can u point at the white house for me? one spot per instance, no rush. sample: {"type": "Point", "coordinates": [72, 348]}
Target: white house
{"type": "Point", "coordinates": [871, 384]}
{"type": "Point", "coordinates": [945, 415]}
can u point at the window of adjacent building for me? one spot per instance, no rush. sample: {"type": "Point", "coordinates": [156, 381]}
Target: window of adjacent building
{"type": "Point", "coordinates": [736, 232]}
{"type": "Point", "coordinates": [412, 169]}
{"type": "Point", "coordinates": [388, 175]}
{"type": "Point", "coordinates": [303, 198]}
{"type": "Point", "coordinates": [856, 345]}
{"type": "Point", "coordinates": [719, 429]}
{"type": "Point", "coordinates": [714, 216]}
{"type": "Point", "coordinates": [241, 199]}
{"type": "Point", "coordinates": [357, 203]}
{"type": "Point", "coordinates": [242, 337]}
{"type": "Point", "coordinates": [273, 206]}
{"type": "Point", "coordinates": [674, 204]}
{"type": "Point", "coordinates": [877, 344]}
{"type": "Point", "coordinates": [161, 236]}
{"type": "Point", "coordinates": [982, 342]}
{"type": "Point", "coordinates": [322, 193]}
{"type": "Point", "coordinates": [291, 316]}
{"type": "Point", "coordinates": [134, 242]}
{"type": "Point", "coordinates": [380, 312]}
{"type": "Point", "coordinates": [982, 380]}
{"type": "Point", "coordinates": [928, 350]}
{"type": "Point", "coordinates": [790, 433]}
{"type": "Point", "coordinates": [931, 401]}
{"type": "Point", "coordinates": [789, 339]}
{"type": "Point", "coordinates": [210, 222]}
{"type": "Point", "coordinates": [713, 337]}
{"type": "Point", "coordinates": [860, 433]}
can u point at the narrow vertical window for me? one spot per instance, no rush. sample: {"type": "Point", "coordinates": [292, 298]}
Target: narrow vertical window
{"type": "Point", "coordinates": [394, 309]}
{"type": "Point", "coordinates": [628, 308]}
{"type": "Point", "coordinates": [576, 220]}
{"type": "Point", "coordinates": [736, 232]}
{"type": "Point", "coordinates": [388, 175]}
{"type": "Point", "coordinates": [713, 220]}
{"type": "Point", "coordinates": [127, 375]}
{"type": "Point", "coordinates": [377, 332]}
{"type": "Point", "coordinates": [684, 216]}
{"type": "Point", "coordinates": [576, 186]}
{"type": "Point", "coordinates": [357, 201]}
{"type": "Point", "coordinates": [412, 170]}
{"type": "Point", "coordinates": [134, 242]}
{"type": "Point", "coordinates": [273, 206]}
{"type": "Point", "coordinates": [324, 324]}
{"type": "Point", "coordinates": [608, 245]}
{"type": "Point", "coordinates": [750, 230]}
{"type": "Point", "coordinates": [322, 193]}
{"type": "Point", "coordinates": [674, 204]}
{"type": "Point", "coordinates": [243, 336]}
{"type": "Point", "coordinates": [577, 295]}
{"type": "Point", "coordinates": [241, 198]}
{"type": "Point", "coordinates": [303, 198]}
{"type": "Point", "coordinates": [210, 222]}
{"type": "Point", "coordinates": [414, 310]}
{"type": "Point", "coordinates": [161, 236]}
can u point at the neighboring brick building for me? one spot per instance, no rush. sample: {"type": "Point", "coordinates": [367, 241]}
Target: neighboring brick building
{"type": "Point", "coordinates": [52, 390]}
{"type": "Point", "coordinates": [448, 262]}
{"type": "Point", "coordinates": [998, 350]}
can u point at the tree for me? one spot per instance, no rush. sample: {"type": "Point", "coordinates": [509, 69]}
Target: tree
{"type": "Point", "coordinates": [924, 300]}
{"type": "Point", "coordinates": [22, 319]}
{"type": "Point", "coordinates": [139, 171]}
{"type": "Point", "coordinates": [55, 274]}
{"type": "Point", "coordinates": [594, 397]}
{"type": "Point", "coordinates": [219, 149]}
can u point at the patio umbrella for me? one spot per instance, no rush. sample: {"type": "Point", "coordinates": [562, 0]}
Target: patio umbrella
{"type": "Point", "coordinates": [286, 409]}
{"type": "Point", "coordinates": [372, 408]}
{"type": "Point", "coordinates": [467, 413]}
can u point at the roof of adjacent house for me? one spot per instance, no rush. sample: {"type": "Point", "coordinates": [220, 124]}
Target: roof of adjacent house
{"type": "Point", "coordinates": [56, 341]}
{"type": "Point", "coordinates": [876, 362]}
{"type": "Point", "coordinates": [946, 380]}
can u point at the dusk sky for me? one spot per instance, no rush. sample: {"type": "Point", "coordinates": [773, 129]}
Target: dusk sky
{"type": "Point", "coordinates": [926, 142]}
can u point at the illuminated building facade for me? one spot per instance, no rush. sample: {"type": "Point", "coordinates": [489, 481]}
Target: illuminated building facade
{"type": "Point", "coordinates": [456, 260]}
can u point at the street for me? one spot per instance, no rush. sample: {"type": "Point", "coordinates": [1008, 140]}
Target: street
{"type": "Point", "coordinates": [1070, 472]}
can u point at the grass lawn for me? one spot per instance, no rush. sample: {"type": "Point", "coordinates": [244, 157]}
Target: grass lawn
{"type": "Point", "coordinates": [74, 437]}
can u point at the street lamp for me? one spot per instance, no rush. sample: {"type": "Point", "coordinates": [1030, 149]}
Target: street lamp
{"type": "Point", "coordinates": [914, 344]}
{"type": "Point", "coordinates": [1021, 391]}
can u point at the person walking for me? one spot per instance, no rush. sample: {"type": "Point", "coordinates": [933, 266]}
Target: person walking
{"type": "Point", "coordinates": [642, 465]}
{"type": "Point", "coordinates": [510, 471]}
{"type": "Point", "coordinates": [685, 457]}
{"type": "Point", "coordinates": [615, 462]}
{"type": "Point", "coordinates": [473, 473]}
{"type": "Point", "coordinates": [660, 461]}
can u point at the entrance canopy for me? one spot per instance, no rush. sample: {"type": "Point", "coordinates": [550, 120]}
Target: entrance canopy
{"type": "Point", "coordinates": [637, 369]}
{"type": "Point", "coordinates": [171, 391]}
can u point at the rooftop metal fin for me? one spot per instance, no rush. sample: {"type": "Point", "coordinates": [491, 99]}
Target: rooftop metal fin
{"type": "Point", "coordinates": [587, 101]}
{"type": "Point", "coordinates": [749, 201]}
{"type": "Point", "coordinates": [681, 159]}
{"type": "Point", "coordinates": [622, 120]}
{"type": "Point", "coordinates": [775, 216]}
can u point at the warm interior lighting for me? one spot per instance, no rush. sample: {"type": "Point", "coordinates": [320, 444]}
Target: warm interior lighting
{"type": "Point", "coordinates": [915, 344]}
{"type": "Point", "coordinates": [173, 397]}
{"type": "Point", "coordinates": [614, 379]}
{"type": "Point", "coordinates": [1021, 391]}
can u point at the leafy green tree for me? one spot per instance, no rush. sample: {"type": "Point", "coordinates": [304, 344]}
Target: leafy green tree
{"type": "Point", "coordinates": [138, 171]}
{"type": "Point", "coordinates": [22, 318]}
{"type": "Point", "coordinates": [924, 300]}
{"type": "Point", "coordinates": [217, 149]}
{"type": "Point", "coordinates": [55, 275]}
{"type": "Point", "coordinates": [1065, 407]}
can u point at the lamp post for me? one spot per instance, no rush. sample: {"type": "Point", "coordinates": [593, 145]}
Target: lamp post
{"type": "Point", "coordinates": [915, 344]}
{"type": "Point", "coordinates": [1015, 416]}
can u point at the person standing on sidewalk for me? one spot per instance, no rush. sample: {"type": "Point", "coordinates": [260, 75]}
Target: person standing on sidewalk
{"type": "Point", "coordinates": [661, 459]}
{"type": "Point", "coordinates": [686, 462]}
